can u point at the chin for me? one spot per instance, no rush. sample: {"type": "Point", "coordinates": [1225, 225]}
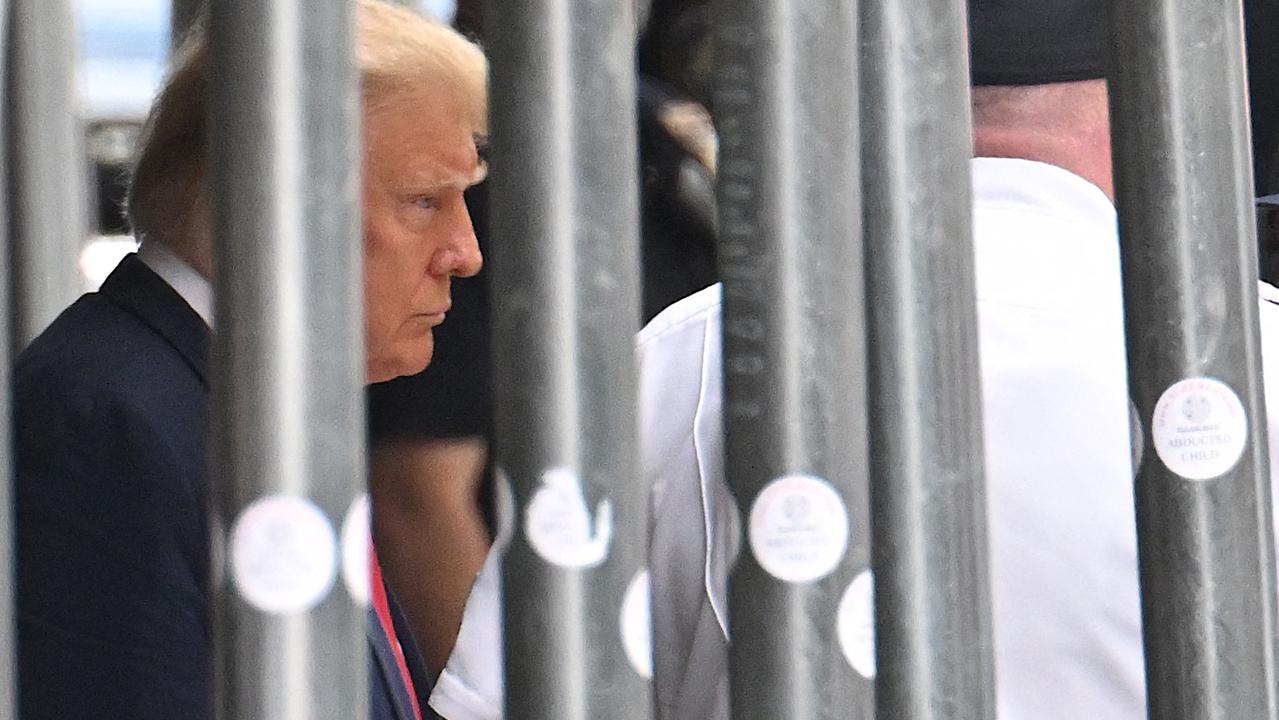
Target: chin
{"type": "Point", "coordinates": [401, 365]}
{"type": "Point", "coordinates": [399, 358]}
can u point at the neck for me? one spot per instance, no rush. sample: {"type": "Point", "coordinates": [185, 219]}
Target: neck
{"type": "Point", "coordinates": [1084, 154]}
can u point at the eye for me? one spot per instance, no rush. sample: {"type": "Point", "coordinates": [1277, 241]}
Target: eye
{"type": "Point", "coordinates": [426, 202]}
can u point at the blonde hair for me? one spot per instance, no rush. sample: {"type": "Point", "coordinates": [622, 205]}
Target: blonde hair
{"type": "Point", "coordinates": [396, 51]}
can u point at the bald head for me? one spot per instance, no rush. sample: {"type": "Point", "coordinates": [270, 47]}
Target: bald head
{"type": "Point", "coordinates": [1064, 124]}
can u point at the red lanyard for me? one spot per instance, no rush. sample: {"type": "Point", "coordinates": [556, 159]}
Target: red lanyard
{"type": "Point", "coordinates": [377, 594]}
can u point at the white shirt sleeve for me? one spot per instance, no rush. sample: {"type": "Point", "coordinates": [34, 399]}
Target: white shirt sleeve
{"type": "Point", "coordinates": [681, 444]}
{"type": "Point", "coordinates": [470, 686]}
{"type": "Point", "coordinates": [1268, 320]}
{"type": "Point", "coordinates": [682, 451]}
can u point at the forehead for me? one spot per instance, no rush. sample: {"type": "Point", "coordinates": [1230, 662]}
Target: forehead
{"type": "Point", "coordinates": [421, 137]}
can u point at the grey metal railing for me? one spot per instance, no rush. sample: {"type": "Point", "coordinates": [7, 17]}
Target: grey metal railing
{"type": "Point", "coordinates": [288, 360]}
{"type": "Point", "coordinates": [927, 476]}
{"type": "Point", "coordinates": [565, 309]}
{"type": "Point", "coordinates": [843, 175]}
{"type": "Point", "coordinates": [786, 100]}
{"type": "Point", "coordinates": [1184, 185]}
{"type": "Point", "coordinates": [928, 505]}
{"type": "Point", "coordinates": [8, 632]}
{"type": "Point", "coordinates": [46, 165]}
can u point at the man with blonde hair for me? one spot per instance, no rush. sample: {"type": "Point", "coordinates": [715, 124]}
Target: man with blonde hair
{"type": "Point", "coordinates": [111, 402]}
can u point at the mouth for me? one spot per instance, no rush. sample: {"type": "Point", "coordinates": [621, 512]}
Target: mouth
{"type": "Point", "coordinates": [432, 318]}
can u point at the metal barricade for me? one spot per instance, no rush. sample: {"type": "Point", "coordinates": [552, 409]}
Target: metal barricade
{"type": "Point", "coordinates": [852, 392]}
{"type": "Point", "coordinates": [790, 258]}
{"type": "Point", "coordinates": [565, 309]}
{"type": "Point", "coordinates": [48, 219]}
{"type": "Point", "coordinates": [288, 361]}
{"type": "Point", "coordinates": [928, 509]}
{"type": "Point", "coordinates": [8, 634]}
{"type": "Point", "coordinates": [1183, 183]}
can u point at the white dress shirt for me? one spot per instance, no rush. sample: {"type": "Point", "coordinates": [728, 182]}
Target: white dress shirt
{"type": "Point", "coordinates": [190, 285]}
{"type": "Point", "coordinates": [1059, 471]}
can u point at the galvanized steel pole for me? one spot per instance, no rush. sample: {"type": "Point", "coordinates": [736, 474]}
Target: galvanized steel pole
{"type": "Point", "coordinates": [47, 177]}
{"type": "Point", "coordinates": [565, 309]}
{"type": "Point", "coordinates": [8, 635]}
{"type": "Point", "coordinates": [288, 356]}
{"type": "Point", "coordinates": [928, 478]}
{"type": "Point", "coordinates": [786, 89]}
{"type": "Point", "coordinates": [1183, 183]}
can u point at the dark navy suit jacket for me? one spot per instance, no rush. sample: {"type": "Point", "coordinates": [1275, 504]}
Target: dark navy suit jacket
{"type": "Point", "coordinates": [111, 529]}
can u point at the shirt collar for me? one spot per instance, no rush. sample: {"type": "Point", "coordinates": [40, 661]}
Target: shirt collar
{"type": "Point", "coordinates": [190, 285]}
{"type": "Point", "coordinates": [1047, 188]}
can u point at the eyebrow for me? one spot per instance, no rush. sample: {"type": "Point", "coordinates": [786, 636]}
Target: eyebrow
{"type": "Point", "coordinates": [481, 173]}
{"type": "Point", "coordinates": [463, 181]}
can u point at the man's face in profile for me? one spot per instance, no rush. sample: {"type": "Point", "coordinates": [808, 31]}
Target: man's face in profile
{"type": "Point", "coordinates": [419, 157]}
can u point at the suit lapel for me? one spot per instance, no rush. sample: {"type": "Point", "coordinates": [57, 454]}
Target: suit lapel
{"type": "Point", "coordinates": [413, 659]}
{"type": "Point", "coordinates": [389, 698]}
{"type": "Point", "coordinates": [136, 288]}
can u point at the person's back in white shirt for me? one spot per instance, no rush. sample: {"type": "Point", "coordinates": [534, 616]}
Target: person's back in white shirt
{"type": "Point", "coordinates": [1059, 473]}
{"type": "Point", "coordinates": [1059, 461]}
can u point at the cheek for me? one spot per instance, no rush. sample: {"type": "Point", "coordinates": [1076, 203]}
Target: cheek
{"type": "Point", "coordinates": [392, 285]}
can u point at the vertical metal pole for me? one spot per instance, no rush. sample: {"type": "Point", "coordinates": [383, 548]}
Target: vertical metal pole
{"type": "Point", "coordinates": [288, 358]}
{"type": "Point", "coordinates": [565, 310]}
{"type": "Point", "coordinates": [928, 480]}
{"type": "Point", "coordinates": [48, 166]}
{"type": "Point", "coordinates": [8, 636]}
{"type": "Point", "coordinates": [1183, 184]}
{"type": "Point", "coordinates": [786, 89]}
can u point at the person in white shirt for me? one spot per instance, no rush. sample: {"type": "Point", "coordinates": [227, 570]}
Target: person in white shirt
{"type": "Point", "coordinates": [1057, 420]}
{"type": "Point", "coordinates": [1057, 413]}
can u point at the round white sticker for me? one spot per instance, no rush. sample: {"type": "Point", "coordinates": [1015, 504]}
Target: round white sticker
{"type": "Point", "coordinates": [357, 544]}
{"type": "Point", "coordinates": [799, 528]}
{"type": "Point", "coordinates": [856, 624]}
{"type": "Point", "coordinates": [283, 554]}
{"type": "Point", "coordinates": [559, 526]}
{"type": "Point", "coordinates": [637, 630]}
{"type": "Point", "coordinates": [1199, 428]}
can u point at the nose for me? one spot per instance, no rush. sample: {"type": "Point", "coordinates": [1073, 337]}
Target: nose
{"type": "Point", "coordinates": [461, 255]}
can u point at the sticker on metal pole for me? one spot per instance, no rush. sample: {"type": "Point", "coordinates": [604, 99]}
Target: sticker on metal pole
{"type": "Point", "coordinates": [559, 526]}
{"type": "Point", "coordinates": [357, 540]}
{"type": "Point", "coordinates": [856, 624]}
{"type": "Point", "coordinates": [283, 554]}
{"type": "Point", "coordinates": [799, 528]}
{"type": "Point", "coordinates": [637, 625]}
{"type": "Point", "coordinates": [1199, 428]}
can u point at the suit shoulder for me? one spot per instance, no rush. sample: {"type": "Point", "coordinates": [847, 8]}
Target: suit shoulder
{"type": "Point", "coordinates": [97, 357]}
{"type": "Point", "coordinates": [95, 344]}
